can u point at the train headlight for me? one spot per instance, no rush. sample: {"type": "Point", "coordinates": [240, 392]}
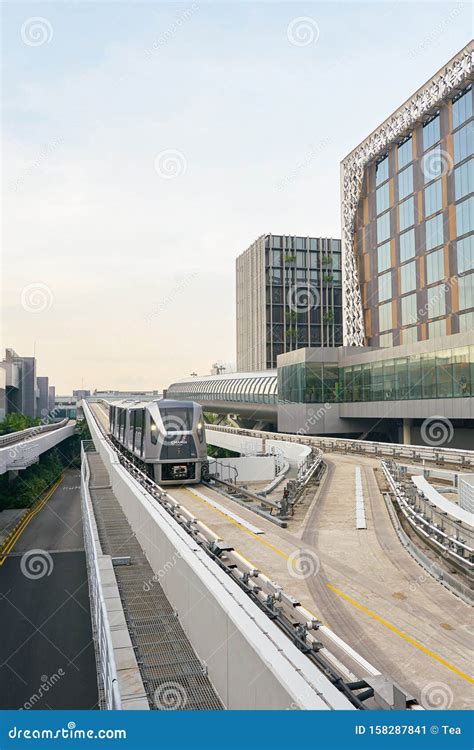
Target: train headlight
{"type": "Point", "coordinates": [200, 431]}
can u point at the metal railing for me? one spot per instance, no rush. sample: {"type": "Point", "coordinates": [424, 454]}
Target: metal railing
{"type": "Point", "coordinates": [17, 437]}
{"type": "Point", "coordinates": [438, 455]}
{"type": "Point", "coordinates": [451, 539]}
{"type": "Point", "coordinates": [106, 667]}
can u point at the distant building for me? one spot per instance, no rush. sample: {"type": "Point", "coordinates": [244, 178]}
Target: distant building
{"type": "Point", "coordinates": [42, 401]}
{"type": "Point", "coordinates": [79, 395]}
{"type": "Point", "coordinates": [288, 296]}
{"type": "Point", "coordinates": [51, 398]}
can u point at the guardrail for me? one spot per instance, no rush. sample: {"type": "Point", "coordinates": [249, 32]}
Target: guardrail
{"type": "Point", "coordinates": [17, 437]}
{"type": "Point", "coordinates": [451, 539]}
{"type": "Point", "coordinates": [106, 667]}
{"type": "Point", "coordinates": [439, 455]}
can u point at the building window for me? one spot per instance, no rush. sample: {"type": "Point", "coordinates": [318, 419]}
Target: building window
{"type": "Point", "coordinates": [407, 245]}
{"type": "Point", "coordinates": [465, 253]}
{"type": "Point", "coordinates": [276, 276]}
{"type": "Point", "coordinates": [434, 163]}
{"type": "Point", "coordinates": [466, 291]}
{"type": "Point", "coordinates": [435, 266]}
{"type": "Point", "coordinates": [408, 277]}
{"type": "Point", "coordinates": [383, 257]}
{"type": "Point", "coordinates": [462, 108]}
{"type": "Point", "coordinates": [463, 143]}
{"type": "Point", "coordinates": [276, 258]}
{"type": "Point", "coordinates": [300, 243]}
{"type": "Point", "coordinates": [464, 179]}
{"type": "Point", "coordinates": [386, 339]}
{"type": "Point", "coordinates": [382, 198]}
{"type": "Point", "coordinates": [383, 227]}
{"type": "Point", "coordinates": [434, 231]}
{"type": "Point", "coordinates": [409, 310]}
{"type": "Point", "coordinates": [410, 335]}
{"type": "Point", "coordinates": [433, 198]}
{"type": "Point", "coordinates": [385, 316]}
{"type": "Point", "coordinates": [437, 301]}
{"type": "Point", "coordinates": [405, 153]}
{"type": "Point", "coordinates": [431, 133]}
{"type": "Point", "coordinates": [405, 182]}
{"type": "Point", "coordinates": [436, 329]}
{"type": "Point", "coordinates": [466, 322]}
{"type": "Point", "coordinates": [276, 241]}
{"type": "Point", "coordinates": [465, 217]}
{"type": "Point", "coordinates": [385, 286]}
{"type": "Point", "coordinates": [406, 213]}
{"type": "Point", "coordinates": [381, 171]}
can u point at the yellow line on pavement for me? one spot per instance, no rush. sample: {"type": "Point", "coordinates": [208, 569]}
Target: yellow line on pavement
{"type": "Point", "coordinates": [400, 633]}
{"type": "Point", "coordinates": [340, 593]}
{"type": "Point", "coordinates": [25, 521]}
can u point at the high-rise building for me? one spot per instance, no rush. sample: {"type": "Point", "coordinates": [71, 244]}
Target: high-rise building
{"type": "Point", "coordinates": [408, 217]}
{"type": "Point", "coordinates": [21, 387]}
{"type": "Point", "coordinates": [42, 402]}
{"type": "Point", "coordinates": [288, 296]}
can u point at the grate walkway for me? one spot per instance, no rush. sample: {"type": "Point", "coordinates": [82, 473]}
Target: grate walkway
{"type": "Point", "coordinates": [173, 676]}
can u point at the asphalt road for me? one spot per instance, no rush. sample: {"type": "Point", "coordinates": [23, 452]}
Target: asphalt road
{"type": "Point", "coordinates": [46, 649]}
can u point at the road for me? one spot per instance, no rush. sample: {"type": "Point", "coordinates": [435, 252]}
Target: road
{"type": "Point", "coordinates": [46, 650]}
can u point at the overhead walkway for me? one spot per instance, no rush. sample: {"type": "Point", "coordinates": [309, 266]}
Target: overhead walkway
{"type": "Point", "coordinates": [19, 450]}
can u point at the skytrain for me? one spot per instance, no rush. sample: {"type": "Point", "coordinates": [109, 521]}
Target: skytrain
{"type": "Point", "coordinates": [167, 437]}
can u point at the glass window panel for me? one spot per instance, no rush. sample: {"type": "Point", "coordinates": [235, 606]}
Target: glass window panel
{"type": "Point", "coordinates": [410, 335]}
{"type": "Point", "coordinates": [428, 372]}
{"type": "Point", "coordinates": [401, 378]}
{"type": "Point", "coordinates": [414, 376]}
{"type": "Point", "coordinates": [464, 179]}
{"type": "Point", "coordinates": [408, 277]}
{"type": "Point", "coordinates": [385, 316]}
{"type": "Point", "coordinates": [406, 213]}
{"type": "Point", "coordinates": [462, 385]}
{"type": "Point", "coordinates": [466, 322]}
{"type": "Point", "coordinates": [444, 374]}
{"type": "Point", "coordinates": [463, 143]}
{"type": "Point", "coordinates": [434, 231]}
{"type": "Point", "coordinates": [276, 241]}
{"type": "Point", "coordinates": [434, 163]}
{"type": "Point", "coordinates": [436, 329]}
{"type": "Point", "coordinates": [383, 257]}
{"type": "Point", "coordinates": [382, 198]}
{"type": "Point", "coordinates": [383, 227]}
{"type": "Point", "coordinates": [407, 245]}
{"type": "Point", "coordinates": [435, 266]}
{"type": "Point", "coordinates": [386, 339]}
{"type": "Point", "coordinates": [405, 182]}
{"type": "Point", "coordinates": [377, 381]}
{"type": "Point", "coordinates": [431, 133]}
{"type": "Point", "coordinates": [465, 216]}
{"type": "Point", "coordinates": [436, 301]}
{"type": "Point", "coordinates": [433, 198]}
{"type": "Point", "coordinates": [314, 383]}
{"type": "Point", "coordinates": [276, 257]}
{"type": "Point", "coordinates": [409, 310]}
{"type": "Point", "coordinates": [405, 153]}
{"type": "Point", "coordinates": [381, 171]}
{"type": "Point", "coordinates": [385, 286]}
{"type": "Point", "coordinates": [466, 291]}
{"type": "Point", "coordinates": [462, 108]}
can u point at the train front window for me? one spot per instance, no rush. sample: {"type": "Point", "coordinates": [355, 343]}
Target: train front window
{"type": "Point", "coordinates": [177, 418]}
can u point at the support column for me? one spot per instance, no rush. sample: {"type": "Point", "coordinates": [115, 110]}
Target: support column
{"type": "Point", "coordinates": [407, 423]}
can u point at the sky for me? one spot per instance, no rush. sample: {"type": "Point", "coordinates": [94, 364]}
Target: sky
{"type": "Point", "coordinates": [145, 145]}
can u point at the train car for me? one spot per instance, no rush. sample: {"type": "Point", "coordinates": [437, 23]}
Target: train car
{"type": "Point", "coordinates": [167, 437]}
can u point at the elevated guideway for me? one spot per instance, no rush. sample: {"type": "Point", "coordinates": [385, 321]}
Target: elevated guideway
{"type": "Point", "coordinates": [19, 450]}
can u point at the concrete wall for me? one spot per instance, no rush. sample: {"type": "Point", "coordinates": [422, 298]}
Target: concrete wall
{"type": "Point", "coordinates": [249, 468]}
{"type": "Point", "coordinates": [294, 453]}
{"type": "Point", "coordinates": [251, 663]}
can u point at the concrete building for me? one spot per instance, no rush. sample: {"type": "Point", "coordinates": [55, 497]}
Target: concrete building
{"type": "Point", "coordinates": [51, 398]}
{"type": "Point", "coordinates": [20, 383]}
{"type": "Point", "coordinates": [288, 295]}
{"type": "Point", "coordinates": [408, 217]}
{"type": "Point", "coordinates": [42, 401]}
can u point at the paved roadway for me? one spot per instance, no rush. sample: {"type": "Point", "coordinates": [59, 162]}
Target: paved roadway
{"type": "Point", "coordinates": [46, 649]}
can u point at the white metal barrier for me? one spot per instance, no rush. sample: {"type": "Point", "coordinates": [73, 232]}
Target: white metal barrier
{"type": "Point", "coordinates": [106, 666]}
{"type": "Point", "coordinates": [17, 437]}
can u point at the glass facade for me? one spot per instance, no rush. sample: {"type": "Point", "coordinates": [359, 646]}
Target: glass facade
{"type": "Point", "coordinates": [443, 374]}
